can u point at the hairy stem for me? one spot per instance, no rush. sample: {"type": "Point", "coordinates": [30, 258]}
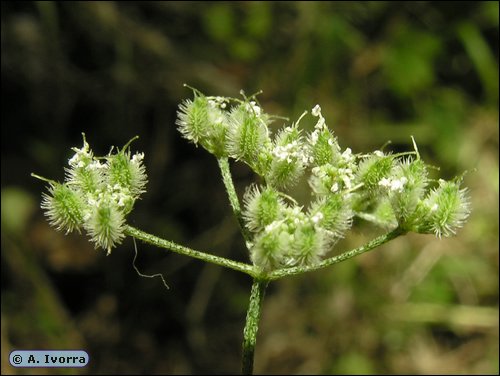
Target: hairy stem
{"type": "Point", "coordinates": [252, 324]}
{"type": "Point", "coordinates": [339, 258]}
{"type": "Point", "coordinates": [233, 197]}
{"type": "Point", "coordinates": [174, 247]}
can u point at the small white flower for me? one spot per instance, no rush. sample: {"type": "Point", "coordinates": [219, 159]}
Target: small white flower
{"type": "Point", "coordinates": [314, 137]}
{"type": "Point", "coordinates": [96, 165]}
{"type": "Point", "coordinates": [123, 199]}
{"type": "Point", "coordinates": [74, 160]}
{"type": "Point", "coordinates": [347, 155]}
{"type": "Point", "coordinates": [378, 153]}
{"type": "Point", "coordinates": [317, 217]}
{"type": "Point", "coordinates": [316, 111]}
{"type": "Point", "coordinates": [254, 107]}
{"type": "Point", "coordinates": [384, 182]}
{"type": "Point", "coordinates": [303, 156]}
{"type": "Point", "coordinates": [347, 181]}
{"type": "Point", "coordinates": [334, 188]}
{"type": "Point", "coordinates": [86, 216]}
{"type": "Point", "coordinates": [92, 202]}
{"type": "Point", "coordinates": [81, 155]}
{"type": "Point", "coordinates": [272, 226]}
{"type": "Point", "coordinates": [397, 185]}
{"type": "Point", "coordinates": [321, 123]}
{"type": "Point", "coordinates": [137, 158]}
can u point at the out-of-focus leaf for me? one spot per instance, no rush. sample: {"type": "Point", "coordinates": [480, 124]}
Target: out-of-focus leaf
{"type": "Point", "coordinates": [219, 22]}
{"type": "Point", "coordinates": [17, 208]}
{"type": "Point", "coordinates": [482, 57]}
{"type": "Point", "coordinates": [409, 60]}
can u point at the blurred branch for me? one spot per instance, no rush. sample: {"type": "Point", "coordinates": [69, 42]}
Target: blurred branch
{"type": "Point", "coordinates": [454, 316]}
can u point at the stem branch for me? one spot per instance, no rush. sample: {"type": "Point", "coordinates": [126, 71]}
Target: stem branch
{"type": "Point", "coordinates": [174, 247]}
{"type": "Point", "coordinates": [233, 197]}
{"type": "Point", "coordinates": [252, 324]}
{"type": "Point", "coordinates": [382, 239]}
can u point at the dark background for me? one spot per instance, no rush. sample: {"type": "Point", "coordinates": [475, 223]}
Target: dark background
{"type": "Point", "coordinates": [380, 70]}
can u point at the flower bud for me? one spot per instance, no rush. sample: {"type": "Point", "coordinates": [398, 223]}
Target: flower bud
{"type": "Point", "coordinates": [247, 137]}
{"type": "Point", "coordinates": [332, 213]}
{"type": "Point", "coordinates": [125, 172]}
{"type": "Point", "coordinates": [308, 245]}
{"type": "Point", "coordinates": [192, 118]}
{"type": "Point", "coordinates": [64, 207]}
{"type": "Point", "coordinates": [406, 188]}
{"type": "Point", "coordinates": [382, 214]}
{"type": "Point", "coordinates": [333, 178]}
{"type": "Point", "coordinates": [288, 158]}
{"type": "Point", "coordinates": [261, 207]}
{"type": "Point", "coordinates": [323, 146]}
{"type": "Point", "coordinates": [203, 121]}
{"type": "Point", "coordinates": [445, 209]}
{"type": "Point", "coordinates": [267, 250]}
{"type": "Point", "coordinates": [85, 173]}
{"type": "Point", "coordinates": [373, 169]}
{"type": "Point", "coordinates": [105, 224]}
{"type": "Point", "coordinates": [293, 239]}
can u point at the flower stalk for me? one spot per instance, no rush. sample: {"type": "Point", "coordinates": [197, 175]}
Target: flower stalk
{"type": "Point", "coordinates": [232, 195]}
{"type": "Point", "coordinates": [252, 324]}
{"type": "Point", "coordinates": [377, 242]}
{"type": "Point", "coordinates": [177, 248]}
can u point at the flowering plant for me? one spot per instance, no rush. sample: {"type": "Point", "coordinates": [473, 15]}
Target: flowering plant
{"type": "Point", "coordinates": [393, 191]}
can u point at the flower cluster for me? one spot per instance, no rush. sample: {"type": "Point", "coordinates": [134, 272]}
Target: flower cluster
{"type": "Point", "coordinates": [391, 190]}
{"type": "Point", "coordinates": [97, 194]}
{"type": "Point", "coordinates": [285, 234]}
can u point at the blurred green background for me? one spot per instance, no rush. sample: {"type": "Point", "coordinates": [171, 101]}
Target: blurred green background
{"type": "Point", "coordinates": [380, 70]}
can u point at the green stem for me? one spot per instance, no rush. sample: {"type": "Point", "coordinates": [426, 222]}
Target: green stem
{"type": "Point", "coordinates": [249, 269]}
{"type": "Point", "coordinates": [336, 259]}
{"type": "Point", "coordinates": [233, 197]}
{"type": "Point", "coordinates": [174, 247]}
{"type": "Point", "coordinates": [252, 324]}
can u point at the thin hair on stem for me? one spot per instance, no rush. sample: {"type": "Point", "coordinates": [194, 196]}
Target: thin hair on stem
{"type": "Point", "coordinates": [146, 275]}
